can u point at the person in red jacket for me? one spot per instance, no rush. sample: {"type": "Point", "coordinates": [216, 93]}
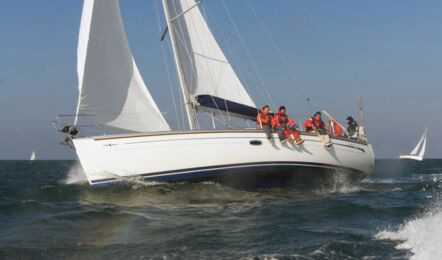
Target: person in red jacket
{"type": "Point", "coordinates": [264, 120]}
{"type": "Point", "coordinates": [315, 125]}
{"type": "Point", "coordinates": [335, 128]}
{"type": "Point", "coordinates": [286, 127]}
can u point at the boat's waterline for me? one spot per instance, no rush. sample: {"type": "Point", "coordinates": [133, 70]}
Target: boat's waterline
{"type": "Point", "coordinates": [411, 157]}
{"type": "Point", "coordinates": [219, 155]}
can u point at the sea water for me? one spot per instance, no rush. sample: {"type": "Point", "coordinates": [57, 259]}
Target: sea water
{"type": "Point", "coordinates": [47, 211]}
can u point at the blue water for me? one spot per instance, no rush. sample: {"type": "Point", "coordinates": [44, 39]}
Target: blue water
{"type": "Point", "coordinates": [389, 215]}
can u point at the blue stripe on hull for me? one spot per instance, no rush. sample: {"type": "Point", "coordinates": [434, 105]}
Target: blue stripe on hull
{"type": "Point", "coordinates": [300, 175]}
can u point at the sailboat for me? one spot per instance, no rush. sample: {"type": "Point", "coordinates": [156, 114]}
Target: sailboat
{"type": "Point", "coordinates": [419, 151]}
{"type": "Point", "coordinates": [33, 157]}
{"type": "Point", "coordinates": [113, 93]}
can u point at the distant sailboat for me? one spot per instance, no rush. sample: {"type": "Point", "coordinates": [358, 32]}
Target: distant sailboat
{"type": "Point", "coordinates": [418, 151]}
{"type": "Point", "coordinates": [33, 156]}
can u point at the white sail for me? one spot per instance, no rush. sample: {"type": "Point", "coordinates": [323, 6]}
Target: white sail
{"type": "Point", "coordinates": [419, 151]}
{"type": "Point", "coordinates": [422, 152]}
{"type": "Point", "coordinates": [33, 157]}
{"type": "Point", "coordinates": [206, 69]}
{"type": "Point", "coordinates": [111, 89]}
{"type": "Point", "coordinates": [416, 148]}
{"type": "Point", "coordinates": [415, 151]}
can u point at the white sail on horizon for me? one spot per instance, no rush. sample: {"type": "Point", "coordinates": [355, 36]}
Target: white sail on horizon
{"type": "Point", "coordinates": [418, 151]}
{"type": "Point", "coordinates": [422, 152]}
{"type": "Point", "coordinates": [423, 139]}
{"type": "Point", "coordinates": [205, 67]}
{"type": "Point", "coordinates": [33, 156]}
{"type": "Point", "coordinates": [111, 89]}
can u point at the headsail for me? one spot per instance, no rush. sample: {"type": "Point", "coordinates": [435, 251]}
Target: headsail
{"type": "Point", "coordinates": [110, 85]}
{"type": "Point", "coordinates": [208, 75]}
{"type": "Point", "coordinates": [33, 157]}
{"type": "Point", "coordinates": [424, 146]}
{"type": "Point", "coordinates": [423, 141]}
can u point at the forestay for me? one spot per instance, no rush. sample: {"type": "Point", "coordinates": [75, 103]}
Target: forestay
{"type": "Point", "coordinates": [110, 85]}
{"type": "Point", "coordinates": [208, 75]}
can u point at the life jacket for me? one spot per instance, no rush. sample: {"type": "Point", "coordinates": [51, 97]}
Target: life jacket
{"type": "Point", "coordinates": [282, 120]}
{"type": "Point", "coordinates": [337, 129]}
{"type": "Point", "coordinates": [310, 122]}
{"type": "Point", "coordinates": [319, 124]}
{"type": "Point", "coordinates": [265, 119]}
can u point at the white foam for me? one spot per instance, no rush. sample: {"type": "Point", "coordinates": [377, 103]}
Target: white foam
{"type": "Point", "coordinates": [139, 182]}
{"type": "Point", "coordinates": [75, 175]}
{"type": "Point", "coordinates": [379, 181]}
{"type": "Point", "coordinates": [422, 236]}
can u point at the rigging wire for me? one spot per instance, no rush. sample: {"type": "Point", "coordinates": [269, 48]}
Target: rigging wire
{"type": "Point", "coordinates": [282, 57]}
{"type": "Point", "coordinates": [166, 65]}
{"type": "Point", "coordinates": [248, 53]}
{"type": "Point", "coordinates": [206, 13]}
{"type": "Point", "coordinates": [276, 47]}
{"type": "Point", "coordinates": [190, 58]}
{"type": "Point", "coordinates": [181, 38]}
{"type": "Point", "coordinates": [242, 68]}
{"type": "Point", "coordinates": [210, 75]}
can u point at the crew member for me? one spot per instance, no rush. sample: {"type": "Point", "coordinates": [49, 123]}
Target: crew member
{"type": "Point", "coordinates": [264, 120]}
{"type": "Point", "coordinates": [286, 127]}
{"type": "Point", "coordinates": [353, 127]}
{"type": "Point", "coordinates": [336, 128]}
{"type": "Point", "coordinates": [315, 125]}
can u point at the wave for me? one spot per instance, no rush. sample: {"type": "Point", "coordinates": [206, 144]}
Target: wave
{"type": "Point", "coordinates": [75, 175]}
{"type": "Point", "coordinates": [421, 236]}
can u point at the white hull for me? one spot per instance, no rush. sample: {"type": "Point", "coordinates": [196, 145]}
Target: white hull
{"type": "Point", "coordinates": [411, 157]}
{"type": "Point", "coordinates": [205, 155]}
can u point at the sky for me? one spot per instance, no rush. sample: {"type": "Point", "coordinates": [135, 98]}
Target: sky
{"type": "Point", "coordinates": [388, 52]}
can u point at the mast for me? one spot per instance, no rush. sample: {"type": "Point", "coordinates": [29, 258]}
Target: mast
{"type": "Point", "coordinates": [190, 110]}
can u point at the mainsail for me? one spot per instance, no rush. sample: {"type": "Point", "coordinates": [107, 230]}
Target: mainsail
{"type": "Point", "coordinates": [208, 75]}
{"type": "Point", "coordinates": [419, 151]}
{"type": "Point", "coordinates": [111, 89]}
{"type": "Point", "coordinates": [33, 157]}
{"type": "Point", "coordinates": [422, 145]}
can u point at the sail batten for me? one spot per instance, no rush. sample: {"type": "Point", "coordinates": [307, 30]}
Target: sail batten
{"type": "Point", "coordinates": [204, 67]}
{"type": "Point", "coordinates": [112, 91]}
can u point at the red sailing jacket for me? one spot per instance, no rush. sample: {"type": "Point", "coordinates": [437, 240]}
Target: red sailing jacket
{"type": "Point", "coordinates": [264, 118]}
{"type": "Point", "coordinates": [337, 129]}
{"type": "Point", "coordinates": [282, 120]}
{"type": "Point", "coordinates": [310, 122]}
